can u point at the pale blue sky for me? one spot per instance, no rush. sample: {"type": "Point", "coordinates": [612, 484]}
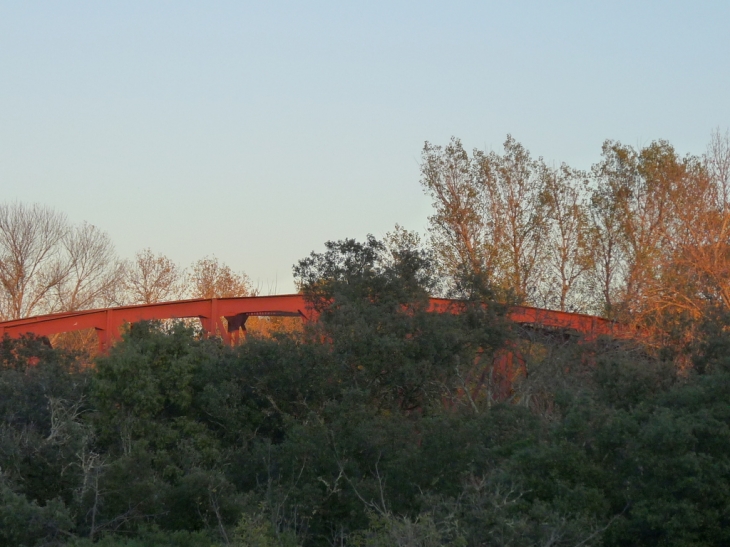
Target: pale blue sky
{"type": "Point", "coordinates": [255, 131]}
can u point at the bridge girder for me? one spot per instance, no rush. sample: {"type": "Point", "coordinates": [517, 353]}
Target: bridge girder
{"type": "Point", "coordinates": [108, 321]}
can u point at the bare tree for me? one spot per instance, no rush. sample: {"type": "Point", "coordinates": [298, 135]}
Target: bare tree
{"type": "Point", "coordinates": [212, 279]}
{"type": "Point", "coordinates": [95, 273]}
{"type": "Point", "coordinates": [153, 278]}
{"type": "Point", "coordinates": [32, 262]}
{"type": "Point", "coordinates": [717, 163]}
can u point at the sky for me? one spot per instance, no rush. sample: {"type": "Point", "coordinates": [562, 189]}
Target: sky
{"type": "Point", "coordinates": [256, 131]}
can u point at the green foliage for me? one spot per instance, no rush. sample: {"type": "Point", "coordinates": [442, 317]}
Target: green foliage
{"type": "Point", "coordinates": [390, 531]}
{"type": "Point", "coordinates": [42, 401]}
{"type": "Point", "coordinates": [152, 538]}
{"type": "Point", "coordinates": [256, 531]}
{"type": "Point", "coordinates": [626, 377]}
{"type": "Point", "coordinates": [163, 461]}
{"type": "Point", "coordinates": [24, 523]}
{"type": "Point", "coordinates": [371, 427]}
{"type": "Point", "coordinates": [384, 340]}
{"type": "Point", "coordinates": [146, 378]}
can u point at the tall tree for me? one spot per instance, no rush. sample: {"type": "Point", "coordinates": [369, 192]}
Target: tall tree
{"type": "Point", "coordinates": [566, 239]}
{"type": "Point", "coordinates": [32, 262]}
{"type": "Point", "coordinates": [211, 279]}
{"type": "Point", "coordinates": [95, 273]}
{"type": "Point", "coordinates": [490, 218]}
{"type": "Point", "coordinates": [698, 243]}
{"type": "Point", "coordinates": [153, 278]}
{"type": "Point", "coordinates": [607, 243]}
{"type": "Point", "coordinates": [648, 217]}
{"type": "Point", "coordinates": [639, 200]}
{"type": "Point", "coordinates": [512, 188]}
{"type": "Point", "coordinates": [462, 232]}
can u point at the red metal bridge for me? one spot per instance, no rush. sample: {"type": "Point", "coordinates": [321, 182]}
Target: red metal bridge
{"type": "Point", "coordinates": [108, 322]}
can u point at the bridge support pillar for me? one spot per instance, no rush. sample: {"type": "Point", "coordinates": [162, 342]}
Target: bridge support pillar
{"type": "Point", "coordinates": [108, 334]}
{"type": "Point", "coordinates": [236, 325]}
{"type": "Point", "coordinates": [212, 323]}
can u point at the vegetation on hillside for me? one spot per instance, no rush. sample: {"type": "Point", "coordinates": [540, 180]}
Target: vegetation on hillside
{"type": "Point", "coordinates": [373, 426]}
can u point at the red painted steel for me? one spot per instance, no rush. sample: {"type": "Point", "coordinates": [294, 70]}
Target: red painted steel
{"type": "Point", "coordinates": [108, 322]}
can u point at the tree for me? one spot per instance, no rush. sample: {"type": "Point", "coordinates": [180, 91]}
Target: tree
{"type": "Point", "coordinates": [95, 279]}
{"type": "Point", "coordinates": [657, 185]}
{"type": "Point", "coordinates": [95, 273]}
{"type": "Point", "coordinates": [607, 250]}
{"type": "Point", "coordinates": [48, 265]}
{"type": "Point", "coordinates": [566, 239]}
{"type": "Point", "coordinates": [41, 434]}
{"type": "Point", "coordinates": [211, 279]}
{"type": "Point", "coordinates": [462, 233]}
{"type": "Point", "coordinates": [153, 278]}
{"type": "Point", "coordinates": [373, 307]}
{"type": "Point", "coordinates": [700, 239]}
{"type": "Point", "coordinates": [32, 262]}
{"type": "Point", "coordinates": [636, 199]}
{"type": "Point", "coordinates": [490, 218]}
{"type": "Point", "coordinates": [513, 187]}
